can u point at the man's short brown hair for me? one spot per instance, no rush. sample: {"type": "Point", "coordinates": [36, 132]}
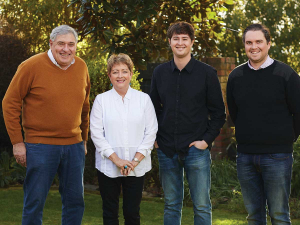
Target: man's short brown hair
{"type": "Point", "coordinates": [256, 27]}
{"type": "Point", "coordinates": [181, 28]}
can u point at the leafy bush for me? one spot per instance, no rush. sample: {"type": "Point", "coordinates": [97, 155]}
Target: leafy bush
{"type": "Point", "coordinates": [10, 171]}
{"type": "Point", "coordinates": [90, 172]}
{"type": "Point", "coordinates": [296, 171]}
{"type": "Point", "coordinates": [295, 208]}
{"type": "Point", "coordinates": [224, 181]}
{"type": "Point", "coordinates": [18, 172]}
{"type": "Point", "coordinates": [5, 177]}
{"type": "Point", "coordinates": [152, 182]}
{"type": "Point", "coordinates": [13, 51]}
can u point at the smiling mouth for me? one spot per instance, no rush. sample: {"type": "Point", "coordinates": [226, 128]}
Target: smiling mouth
{"type": "Point", "coordinates": [255, 52]}
{"type": "Point", "coordinates": [64, 55]}
{"type": "Point", "coordinates": [120, 81]}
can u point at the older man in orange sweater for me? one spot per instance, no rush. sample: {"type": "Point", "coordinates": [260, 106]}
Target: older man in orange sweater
{"type": "Point", "coordinates": [52, 91]}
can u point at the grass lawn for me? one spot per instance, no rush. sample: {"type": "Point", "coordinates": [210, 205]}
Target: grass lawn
{"type": "Point", "coordinates": [11, 201]}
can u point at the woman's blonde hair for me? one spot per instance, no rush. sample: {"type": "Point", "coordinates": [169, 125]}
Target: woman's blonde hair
{"type": "Point", "coordinates": [118, 59]}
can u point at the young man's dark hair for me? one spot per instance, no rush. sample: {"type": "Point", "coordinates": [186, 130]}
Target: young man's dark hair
{"type": "Point", "coordinates": [181, 28]}
{"type": "Point", "coordinates": [256, 27]}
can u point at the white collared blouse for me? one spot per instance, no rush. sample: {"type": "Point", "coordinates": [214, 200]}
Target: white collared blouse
{"type": "Point", "coordinates": [125, 127]}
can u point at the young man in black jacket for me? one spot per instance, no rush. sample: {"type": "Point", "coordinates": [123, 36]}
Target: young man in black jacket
{"type": "Point", "coordinates": [187, 97]}
{"type": "Point", "coordinates": [264, 104]}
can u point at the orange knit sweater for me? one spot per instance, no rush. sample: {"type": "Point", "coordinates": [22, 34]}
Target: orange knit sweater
{"type": "Point", "coordinates": [54, 102]}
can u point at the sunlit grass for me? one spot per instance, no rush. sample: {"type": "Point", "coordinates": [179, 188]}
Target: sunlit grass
{"type": "Point", "coordinates": [11, 201]}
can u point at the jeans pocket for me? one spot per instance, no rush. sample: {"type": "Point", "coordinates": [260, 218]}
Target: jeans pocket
{"type": "Point", "coordinates": [164, 161]}
{"type": "Point", "coordinates": [280, 156]}
{"type": "Point", "coordinates": [199, 148]}
{"type": "Point", "coordinates": [32, 146]}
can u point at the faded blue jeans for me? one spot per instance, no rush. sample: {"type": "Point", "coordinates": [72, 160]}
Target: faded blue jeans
{"type": "Point", "coordinates": [43, 162]}
{"type": "Point", "coordinates": [197, 168]}
{"type": "Point", "coordinates": [266, 181]}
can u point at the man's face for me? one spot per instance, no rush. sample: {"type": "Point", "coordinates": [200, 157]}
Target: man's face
{"type": "Point", "coordinates": [181, 45]}
{"type": "Point", "coordinates": [256, 47]}
{"type": "Point", "coordinates": [63, 49]}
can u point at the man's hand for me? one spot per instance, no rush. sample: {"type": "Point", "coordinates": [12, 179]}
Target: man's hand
{"type": "Point", "coordinates": [85, 147]}
{"type": "Point", "coordinates": [202, 145]}
{"type": "Point", "coordinates": [156, 145]}
{"type": "Point", "coordinates": [19, 150]}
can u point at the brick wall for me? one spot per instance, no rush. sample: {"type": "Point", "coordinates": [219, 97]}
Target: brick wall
{"type": "Point", "coordinates": [224, 66]}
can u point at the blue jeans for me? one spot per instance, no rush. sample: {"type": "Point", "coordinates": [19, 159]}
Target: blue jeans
{"type": "Point", "coordinates": [43, 162]}
{"type": "Point", "coordinates": [266, 180]}
{"type": "Point", "coordinates": [197, 168]}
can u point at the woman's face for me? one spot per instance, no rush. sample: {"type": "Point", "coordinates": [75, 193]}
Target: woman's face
{"type": "Point", "coordinates": [120, 76]}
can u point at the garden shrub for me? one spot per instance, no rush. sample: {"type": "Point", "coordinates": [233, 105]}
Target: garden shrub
{"type": "Point", "coordinates": [152, 182]}
{"type": "Point", "coordinates": [10, 171]}
{"type": "Point", "coordinates": [90, 172]}
{"type": "Point", "coordinates": [5, 177]}
{"type": "Point", "coordinates": [295, 208]}
{"type": "Point", "coordinates": [13, 51]}
{"type": "Point", "coordinates": [295, 193]}
{"type": "Point", "coordinates": [224, 183]}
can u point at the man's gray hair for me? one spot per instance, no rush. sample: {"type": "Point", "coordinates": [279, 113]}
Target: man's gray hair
{"type": "Point", "coordinates": [61, 30]}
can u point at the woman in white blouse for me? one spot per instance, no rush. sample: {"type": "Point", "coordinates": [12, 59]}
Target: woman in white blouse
{"type": "Point", "coordinates": [123, 128]}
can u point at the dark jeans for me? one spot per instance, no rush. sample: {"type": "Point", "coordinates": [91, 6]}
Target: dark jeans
{"type": "Point", "coordinates": [266, 180]}
{"type": "Point", "coordinates": [110, 189]}
{"type": "Point", "coordinates": [43, 162]}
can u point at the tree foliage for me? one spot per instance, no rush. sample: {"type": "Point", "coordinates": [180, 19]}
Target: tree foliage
{"type": "Point", "coordinates": [282, 17]}
{"type": "Point", "coordinates": [33, 20]}
{"type": "Point", "coordinates": [138, 27]}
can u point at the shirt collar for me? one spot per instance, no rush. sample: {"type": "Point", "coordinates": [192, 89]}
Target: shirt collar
{"type": "Point", "coordinates": [188, 67]}
{"type": "Point", "coordinates": [54, 61]}
{"type": "Point", "coordinates": [127, 96]}
{"type": "Point", "coordinates": [267, 63]}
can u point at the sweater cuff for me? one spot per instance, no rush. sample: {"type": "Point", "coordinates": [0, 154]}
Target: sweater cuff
{"type": "Point", "coordinates": [17, 140]}
{"type": "Point", "coordinates": [84, 135]}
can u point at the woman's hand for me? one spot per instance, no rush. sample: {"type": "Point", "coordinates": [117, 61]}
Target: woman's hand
{"type": "Point", "coordinates": [134, 163]}
{"type": "Point", "coordinates": [139, 156]}
{"type": "Point", "coordinates": [121, 163]}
